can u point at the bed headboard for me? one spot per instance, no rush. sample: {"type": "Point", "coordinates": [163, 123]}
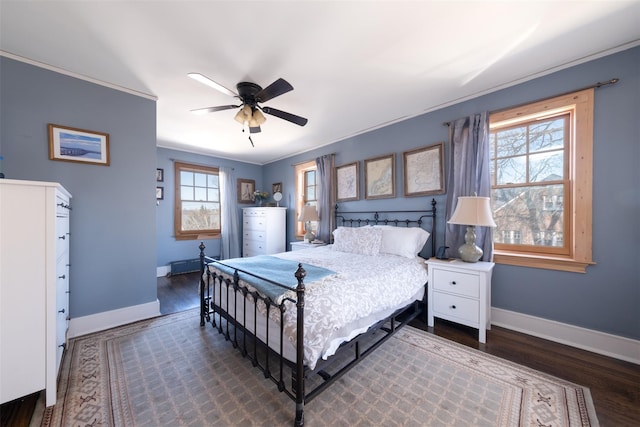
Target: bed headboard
{"type": "Point", "coordinates": [399, 218]}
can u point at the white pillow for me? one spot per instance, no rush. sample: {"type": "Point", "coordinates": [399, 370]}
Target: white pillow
{"type": "Point", "coordinates": [403, 241]}
{"type": "Point", "coordinates": [357, 240]}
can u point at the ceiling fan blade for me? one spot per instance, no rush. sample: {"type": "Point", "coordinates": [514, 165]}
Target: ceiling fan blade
{"type": "Point", "coordinates": [206, 80]}
{"type": "Point", "coordinates": [213, 109]}
{"type": "Point", "coordinates": [300, 121]}
{"type": "Point", "coordinates": [276, 88]}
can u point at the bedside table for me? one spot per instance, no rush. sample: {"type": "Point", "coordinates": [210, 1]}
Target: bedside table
{"type": "Point", "coordinates": [299, 245]}
{"type": "Point", "coordinates": [460, 292]}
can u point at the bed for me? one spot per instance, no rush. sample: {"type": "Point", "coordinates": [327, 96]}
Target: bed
{"type": "Point", "coordinates": [306, 317]}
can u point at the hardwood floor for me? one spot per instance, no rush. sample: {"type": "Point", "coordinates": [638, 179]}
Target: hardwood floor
{"type": "Point", "coordinates": [614, 384]}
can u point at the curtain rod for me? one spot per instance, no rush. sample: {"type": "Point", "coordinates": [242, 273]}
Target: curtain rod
{"type": "Point", "coordinates": [593, 86]}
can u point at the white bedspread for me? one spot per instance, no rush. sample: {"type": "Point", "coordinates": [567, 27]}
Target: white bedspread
{"type": "Point", "coordinates": [363, 286]}
{"type": "Point", "coordinates": [364, 289]}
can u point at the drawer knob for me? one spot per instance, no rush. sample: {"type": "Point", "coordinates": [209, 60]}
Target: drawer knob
{"type": "Point", "coordinates": [61, 311]}
{"type": "Point", "coordinates": [62, 277]}
{"type": "Point", "coordinates": [454, 283]}
{"type": "Point", "coordinates": [453, 307]}
{"type": "Point", "coordinates": [62, 237]}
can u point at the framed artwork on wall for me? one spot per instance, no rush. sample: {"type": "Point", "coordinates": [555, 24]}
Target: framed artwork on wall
{"type": "Point", "coordinates": [276, 187]}
{"type": "Point", "coordinates": [423, 171]}
{"type": "Point", "coordinates": [380, 177]}
{"type": "Point", "coordinates": [159, 193]}
{"type": "Point", "coordinates": [159, 175]}
{"type": "Point", "coordinates": [246, 187]}
{"type": "Point", "coordinates": [78, 145]}
{"type": "Point", "coordinates": [347, 178]}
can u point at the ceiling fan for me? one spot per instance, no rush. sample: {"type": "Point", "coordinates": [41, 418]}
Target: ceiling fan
{"type": "Point", "coordinates": [251, 95]}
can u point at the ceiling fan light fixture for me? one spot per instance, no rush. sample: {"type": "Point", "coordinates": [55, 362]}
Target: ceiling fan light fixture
{"type": "Point", "coordinates": [247, 112]}
{"type": "Point", "coordinates": [258, 117]}
{"type": "Point", "coordinates": [240, 117]}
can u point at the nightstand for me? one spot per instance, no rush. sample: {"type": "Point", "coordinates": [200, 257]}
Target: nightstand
{"type": "Point", "coordinates": [460, 292]}
{"type": "Point", "coordinates": [299, 245]}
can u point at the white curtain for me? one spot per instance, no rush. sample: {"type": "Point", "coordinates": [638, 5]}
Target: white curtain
{"type": "Point", "coordinates": [324, 168]}
{"type": "Point", "coordinates": [469, 174]}
{"type": "Point", "coordinates": [230, 239]}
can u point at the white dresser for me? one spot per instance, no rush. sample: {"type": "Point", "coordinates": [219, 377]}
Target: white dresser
{"type": "Point", "coordinates": [263, 231]}
{"type": "Point", "coordinates": [34, 286]}
{"type": "Point", "coordinates": [460, 292]}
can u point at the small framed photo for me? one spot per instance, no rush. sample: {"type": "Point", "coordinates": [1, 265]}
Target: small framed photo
{"type": "Point", "coordinates": [159, 175]}
{"type": "Point", "coordinates": [380, 177]}
{"type": "Point", "coordinates": [276, 187]}
{"type": "Point", "coordinates": [78, 145]}
{"type": "Point", "coordinates": [246, 187]}
{"type": "Point", "coordinates": [159, 193]}
{"type": "Point", "coordinates": [347, 178]}
{"type": "Point", "coordinates": [423, 171]}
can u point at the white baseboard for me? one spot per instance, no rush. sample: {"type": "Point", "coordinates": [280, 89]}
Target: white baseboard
{"type": "Point", "coordinates": [622, 348]}
{"type": "Point", "coordinates": [109, 319]}
{"type": "Point", "coordinates": [163, 270]}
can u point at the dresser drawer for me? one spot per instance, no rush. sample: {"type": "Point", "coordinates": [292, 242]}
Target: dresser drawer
{"type": "Point", "coordinates": [253, 248]}
{"type": "Point", "coordinates": [62, 236]}
{"type": "Point", "coordinates": [456, 282]}
{"type": "Point", "coordinates": [258, 236]}
{"type": "Point", "coordinates": [255, 223]}
{"type": "Point", "coordinates": [456, 308]}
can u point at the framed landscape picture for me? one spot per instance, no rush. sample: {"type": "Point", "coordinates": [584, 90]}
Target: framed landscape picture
{"type": "Point", "coordinates": [78, 145]}
{"type": "Point", "coordinates": [423, 171]}
{"type": "Point", "coordinates": [380, 177]}
{"type": "Point", "coordinates": [347, 178]}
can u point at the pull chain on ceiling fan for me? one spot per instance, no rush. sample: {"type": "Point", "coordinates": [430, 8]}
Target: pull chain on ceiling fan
{"type": "Point", "coordinates": [251, 95]}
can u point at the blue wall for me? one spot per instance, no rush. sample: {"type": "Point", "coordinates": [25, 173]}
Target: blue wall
{"type": "Point", "coordinates": [114, 219]}
{"type": "Point", "coordinates": [607, 297]}
{"type": "Point", "coordinates": [113, 236]}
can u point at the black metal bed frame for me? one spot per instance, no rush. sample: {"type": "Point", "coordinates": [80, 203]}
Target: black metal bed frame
{"type": "Point", "coordinates": [272, 362]}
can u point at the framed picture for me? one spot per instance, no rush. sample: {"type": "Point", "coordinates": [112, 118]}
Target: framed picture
{"type": "Point", "coordinates": [159, 193]}
{"type": "Point", "coordinates": [347, 178]}
{"type": "Point", "coordinates": [276, 187]}
{"type": "Point", "coordinates": [246, 187]}
{"type": "Point", "coordinates": [423, 171]}
{"type": "Point", "coordinates": [380, 177]}
{"type": "Point", "coordinates": [159, 175]}
{"type": "Point", "coordinates": [78, 145]}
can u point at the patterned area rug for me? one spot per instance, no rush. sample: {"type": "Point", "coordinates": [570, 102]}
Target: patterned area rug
{"type": "Point", "coordinates": [169, 371]}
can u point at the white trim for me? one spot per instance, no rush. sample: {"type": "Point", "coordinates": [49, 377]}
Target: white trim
{"type": "Point", "coordinates": [615, 346]}
{"type": "Point", "coordinates": [110, 319]}
{"type": "Point", "coordinates": [76, 75]}
{"type": "Point", "coordinates": [163, 270]}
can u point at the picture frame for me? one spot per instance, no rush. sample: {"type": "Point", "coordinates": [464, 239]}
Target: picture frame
{"type": "Point", "coordinates": [347, 182]}
{"type": "Point", "coordinates": [69, 144]}
{"type": "Point", "coordinates": [276, 187]}
{"type": "Point", "coordinates": [380, 177]}
{"type": "Point", "coordinates": [159, 175]}
{"type": "Point", "coordinates": [246, 188]}
{"type": "Point", "coordinates": [159, 193]}
{"type": "Point", "coordinates": [423, 171]}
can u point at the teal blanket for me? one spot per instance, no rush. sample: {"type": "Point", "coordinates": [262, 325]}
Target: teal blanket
{"type": "Point", "coordinates": [254, 270]}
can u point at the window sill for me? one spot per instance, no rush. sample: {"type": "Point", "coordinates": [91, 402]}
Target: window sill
{"type": "Point", "coordinates": [198, 236]}
{"type": "Point", "coordinates": [539, 261]}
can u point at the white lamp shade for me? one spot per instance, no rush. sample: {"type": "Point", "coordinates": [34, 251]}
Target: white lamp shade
{"type": "Point", "coordinates": [473, 211]}
{"type": "Point", "coordinates": [308, 213]}
{"type": "Point", "coordinates": [259, 117]}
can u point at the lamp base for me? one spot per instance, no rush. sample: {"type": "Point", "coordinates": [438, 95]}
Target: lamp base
{"type": "Point", "coordinates": [309, 237]}
{"type": "Point", "coordinates": [469, 252]}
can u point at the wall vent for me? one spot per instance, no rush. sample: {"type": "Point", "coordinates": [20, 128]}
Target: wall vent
{"type": "Point", "coordinates": [184, 266]}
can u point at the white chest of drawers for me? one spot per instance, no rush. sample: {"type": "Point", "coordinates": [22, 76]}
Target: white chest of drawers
{"type": "Point", "coordinates": [460, 292]}
{"type": "Point", "coordinates": [34, 286]}
{"type": "Point", "coordinates": [263, 231]}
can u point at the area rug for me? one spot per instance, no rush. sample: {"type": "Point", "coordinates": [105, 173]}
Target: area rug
{"type": "Point", "coordinates": [169, 371]}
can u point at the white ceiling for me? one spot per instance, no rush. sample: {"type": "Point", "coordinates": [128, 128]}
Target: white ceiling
{"type": "Point", "coordinates": [355, 65]}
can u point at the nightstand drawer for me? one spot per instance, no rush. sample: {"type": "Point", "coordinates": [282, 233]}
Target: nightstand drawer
{"type": "Point", "coordinates": [456, 282]}
{"type": "Point", "coordinates": [453, 307]}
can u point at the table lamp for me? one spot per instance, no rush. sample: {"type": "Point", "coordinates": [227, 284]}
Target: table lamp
{"type": "Point", "coordinates": [472, 211]}
{"type": "Point", "coordinates": [308, 214]}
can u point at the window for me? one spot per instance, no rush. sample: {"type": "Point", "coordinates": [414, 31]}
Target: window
{"type": "Point", "coordinates": [306, 186]}
{"type": "Point", "coordinates": [541, 179]}
{"type": "Point", "coordinates": [197, 206]}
